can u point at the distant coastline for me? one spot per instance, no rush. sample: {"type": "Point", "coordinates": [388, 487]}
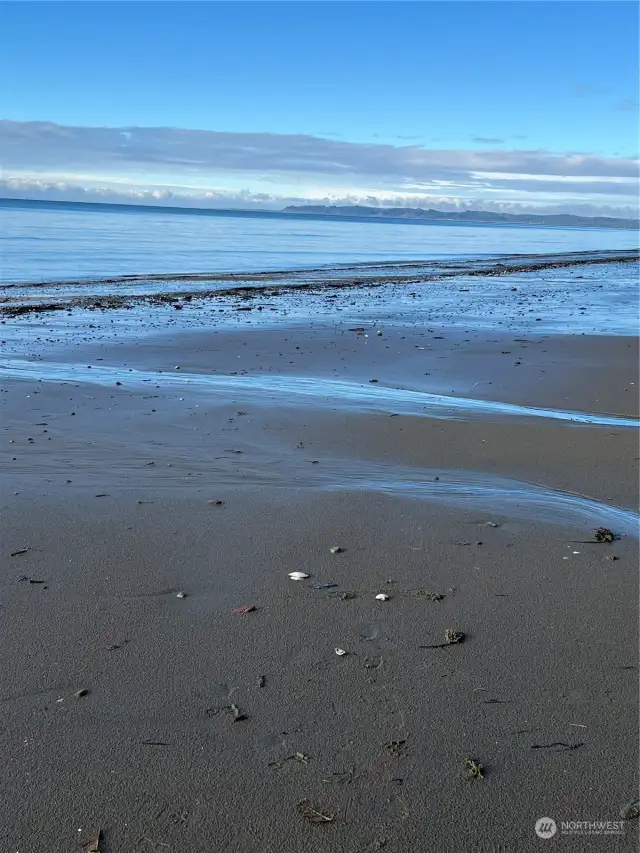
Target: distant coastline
{"type": "Point", "coordinates": [414, 216]}
{"type": "Point", "coordinates": [465, 216]}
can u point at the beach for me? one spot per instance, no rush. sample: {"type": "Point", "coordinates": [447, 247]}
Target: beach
{"type": "Point", "coordinates": [458, 441]}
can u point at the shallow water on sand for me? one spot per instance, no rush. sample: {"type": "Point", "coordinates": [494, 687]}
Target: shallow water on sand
{"type": "Point", "coordinates": [298, 391]}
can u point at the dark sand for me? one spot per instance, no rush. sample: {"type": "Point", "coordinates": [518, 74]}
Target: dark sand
{"type": "Point", "coordinates": [112, 503]}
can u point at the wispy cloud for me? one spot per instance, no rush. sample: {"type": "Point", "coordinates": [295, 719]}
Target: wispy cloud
{"type": "Point", "coordinates": [627, 105]}
{"type": "Point", "coordinates": [487, 140]}
{"type": "Point", "coordinates": [619, 187]}
{"type": "Point", "coordinates": [587, 90]}
{"type": "Point", "coordinates": [169, 163]}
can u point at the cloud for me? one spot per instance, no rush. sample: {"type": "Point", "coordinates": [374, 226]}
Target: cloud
{"type": "Point", "coordinates": [246, 200]}
{"type": "Point", "coordinates": [149, 163]}
{"type": "Point", "coordinates": [627, 105]}
{"type": "Point", "coordinates": [44, 146]}
{"type": "Point", "coordinates": [566, 187]}
{"type": "Point", "coordinates": [586, 90]}
{"type": "Point", "coordinates": [487, 140]}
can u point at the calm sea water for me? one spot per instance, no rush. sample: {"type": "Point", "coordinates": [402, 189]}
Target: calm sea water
{"type": "Point", "coordinates": [63, 242]}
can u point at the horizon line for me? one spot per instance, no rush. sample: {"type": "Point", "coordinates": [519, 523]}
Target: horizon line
{"type": "Point", "coordinates": [285, 212]}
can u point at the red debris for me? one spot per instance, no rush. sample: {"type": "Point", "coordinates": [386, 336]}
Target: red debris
{"type": "Point", "coordinates": [248, 609]}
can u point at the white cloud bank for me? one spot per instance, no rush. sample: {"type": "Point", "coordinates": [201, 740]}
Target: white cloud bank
{"type": "Point", "coordinates": [261, 170]}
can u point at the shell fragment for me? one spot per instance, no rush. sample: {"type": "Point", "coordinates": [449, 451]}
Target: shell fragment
{"type": "Point", "coordinates": [298, 576]}
{"type": "Point", "coordinates": [340, 652]}
{"type": "Point", "coordinates": [382, 597]}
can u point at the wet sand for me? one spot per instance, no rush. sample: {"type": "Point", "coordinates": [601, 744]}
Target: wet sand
{"type": "Point", "coordinates": [109, 488]}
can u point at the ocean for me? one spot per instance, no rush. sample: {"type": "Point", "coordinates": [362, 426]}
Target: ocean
{"type": "Point", "coordinates": [42, 242]}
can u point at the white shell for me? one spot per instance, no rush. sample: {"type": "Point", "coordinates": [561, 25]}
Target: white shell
{"type": "Point", "coordinates": [340, 652]}
{"type": "Point", "coordinates": [298, 576]}
{"type": "Point", "coordinates": [336, 549]}
{"type": "Point", "coordinates": [382, 597]}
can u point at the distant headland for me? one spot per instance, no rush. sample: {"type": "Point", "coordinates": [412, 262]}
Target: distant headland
{"type": "Point", "coordinates": [355, 211]}
{"type": "Point", "coordinates": [557, 219]}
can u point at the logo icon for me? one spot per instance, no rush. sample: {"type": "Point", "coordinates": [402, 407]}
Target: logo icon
{"type": "Point", "coordinates": [546, 827]}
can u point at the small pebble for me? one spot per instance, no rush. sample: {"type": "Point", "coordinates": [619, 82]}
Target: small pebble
{"type": "Point", "coordinates": [238, 715]}
{"type": "Point", "coordinates": [181, 594]}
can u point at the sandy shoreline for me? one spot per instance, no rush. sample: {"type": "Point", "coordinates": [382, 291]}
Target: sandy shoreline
{"type": "Point", "coordinates": [108, 487]}
{"type": "Point", "coordinates": [95, 294]}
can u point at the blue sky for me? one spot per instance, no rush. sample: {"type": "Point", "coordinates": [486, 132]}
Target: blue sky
{"type": "Point", "coordinates": [538, 84]}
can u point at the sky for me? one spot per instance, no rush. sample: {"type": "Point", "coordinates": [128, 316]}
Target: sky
{"type": "Point", "coordinates": [515, 106]}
